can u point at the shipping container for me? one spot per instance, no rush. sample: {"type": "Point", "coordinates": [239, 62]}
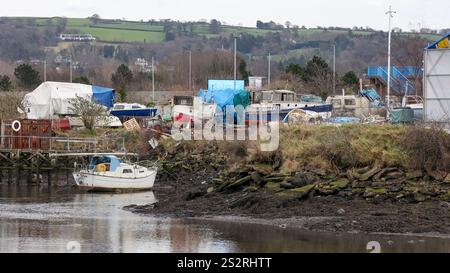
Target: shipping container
{"type": "Point", "coordinates": [28, 134]}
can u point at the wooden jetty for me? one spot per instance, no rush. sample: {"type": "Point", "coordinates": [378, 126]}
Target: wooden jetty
{"type": "Point", "coordinates": [26, 159]}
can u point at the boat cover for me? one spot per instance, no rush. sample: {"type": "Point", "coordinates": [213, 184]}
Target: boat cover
{"type": "Point", "coordinates": [225, 97]}
{"type": "Point", "coordinates": [53, 98]}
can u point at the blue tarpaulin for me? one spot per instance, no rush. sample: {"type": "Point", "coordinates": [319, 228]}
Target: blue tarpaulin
{"type": "Point", "coordinates": [371, 94]}
{"type": "Point", "coordinates": [103, 95]}
{"type": "Point", "coordinates": [223, 93]}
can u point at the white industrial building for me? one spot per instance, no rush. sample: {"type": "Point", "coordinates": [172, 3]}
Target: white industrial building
{"type": "Point", "coordinates": [437, 81]}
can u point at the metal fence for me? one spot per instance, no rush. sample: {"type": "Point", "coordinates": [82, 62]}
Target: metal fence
{"type": "Point", "coordinates": [54, 144]}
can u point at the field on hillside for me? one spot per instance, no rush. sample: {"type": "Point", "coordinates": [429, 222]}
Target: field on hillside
{"type": "Point", "coordinates": [136, 31]}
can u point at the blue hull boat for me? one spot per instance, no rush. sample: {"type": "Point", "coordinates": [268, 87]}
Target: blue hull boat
{"type": "Point", "coordinates": [134, 113]}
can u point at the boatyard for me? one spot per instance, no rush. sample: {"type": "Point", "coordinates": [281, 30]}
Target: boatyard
{"type": "Point", "coordinates": [202, 136]}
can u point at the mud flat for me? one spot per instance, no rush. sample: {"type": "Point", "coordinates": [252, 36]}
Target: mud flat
{"type": "Point", "coordinates": [387, 179]}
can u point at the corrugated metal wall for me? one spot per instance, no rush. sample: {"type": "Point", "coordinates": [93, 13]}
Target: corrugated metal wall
{"type": "Point", "coordinates": [437, 85]}
{"type": "Point", "coordinates": [33, 134]}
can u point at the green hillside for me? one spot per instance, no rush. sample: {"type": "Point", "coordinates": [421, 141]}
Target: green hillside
{"type": "Point", "coordinates": [112, 31]}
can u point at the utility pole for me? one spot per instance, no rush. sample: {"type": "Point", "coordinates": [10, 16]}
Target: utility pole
{"type": "Point", "coordinates": [235, 56]}
{"type": "Point", "coordinates": [334, 69]}
{"type": "Point", "coordinates": [45, 70]}
{"type": "Point", "coordinates": [390, 13]}
{"type": "Point", "coordinates": [153, 79]}
{"type": "Point", "coordinates": [70, 64]}
{"type": "Point", "coordinates": [268, 72]}
{"type": "Point", "coordinates": [190, 70]}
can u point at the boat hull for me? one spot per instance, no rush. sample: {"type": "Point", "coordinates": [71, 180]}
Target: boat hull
{"type": "Point", "coordinates": [267, 115]}
{"type": "Point", "coordinates": [93, 181]}
{"type": "Point", "coordinates": [149, 112]}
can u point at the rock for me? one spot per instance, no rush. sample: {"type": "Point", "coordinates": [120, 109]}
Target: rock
{"type": "Point", "coordinates": [357, 191]}
{"type": "Point", "coordinates": [443, 204]}
{"type": "Point", "coordinates": [377, 184]}
{"type": "Point", "coordinates": [400, 196]}
{"type": "Point", "coordinates": [447, 178]}
{"type": "Point", "coordinates": [300, 180]}
{"type": "Point", "coordinates": [358, 184]}
{"type": "Point", "coordinates": [210, 190]}
{"type": "Point", "coordinates": [363, 170]}
{"type": "Point", "coordinates": [445, 196]}
{"type": "Point", "coordinates": [286, 185]}
{"type": "Point", "coordinates": [264, 169]}
{"type": "Point", "coordinates": [303, 191]}
{"type": "Point", "coordinates": [379, 175]}
{"type": "Point", "coordinates": [369, 174]}
{"type": "Point", "coordinates": [394, 175]}
{"type": "Point", "coordinates": [272, 186]}
{"type": "Point", "coordinates": [395, 189]}
{"type": "Point", "coordinates": [246, 201]}
{"type": "Point", "coordinates": [436, 175]}
{"type": "Point", "coordinates": [352, 174]}
{"type": "Point", "coordinates": [326, 189]}
{"type": "Point", "coordinates": [238, 183]}
{"type": "Point", "coordinates": [341, 211]}
{"type": "Point", "coordinates": [418, 197]}
{"type": "Point", "coordinates": [196, 193]}
{"type": "Point", "coordinates": [256, 177]}
{"type": "Point", "coordinates": [340, 184]}
{"type": "Point", "coordinates": [320, 172]}
{"type": "Point", "coordinates": [251, 189]}
{"type": "Point", "coordinates": [414, 174]}
{"type": "Point", "coordinates": [372, 192]}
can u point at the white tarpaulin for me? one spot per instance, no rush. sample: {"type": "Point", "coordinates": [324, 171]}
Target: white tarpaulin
{"type": "Point", "coordinates": [52, 98]}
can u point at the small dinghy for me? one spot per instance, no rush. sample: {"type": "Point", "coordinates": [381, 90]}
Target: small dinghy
{"type": "Point", "coordinates": [109, 173]}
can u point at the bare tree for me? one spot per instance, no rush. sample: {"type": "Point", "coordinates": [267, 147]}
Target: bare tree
{"type": "Point", "coordinates": [410, 53]}
{"type": "Point", "coordinates": [89, 111]}
{"type": "Point", "coordinates": [10, 102]}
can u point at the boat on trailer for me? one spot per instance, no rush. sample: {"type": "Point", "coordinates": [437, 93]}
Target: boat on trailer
{"type": "Point", "coordinates": [109, 173]}
{"type": "Point", "coordinates": [265, 103]}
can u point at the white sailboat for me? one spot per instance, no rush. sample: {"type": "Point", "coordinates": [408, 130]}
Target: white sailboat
{"type": "Point", "coordinates": [107, 172]}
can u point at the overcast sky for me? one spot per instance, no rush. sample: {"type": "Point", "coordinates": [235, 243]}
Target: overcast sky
{"type": "Point", "coordinates": [312, 13]}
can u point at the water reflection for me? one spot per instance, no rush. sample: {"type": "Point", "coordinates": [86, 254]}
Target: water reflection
{"type": "Point", "coordinates": [37, 219]}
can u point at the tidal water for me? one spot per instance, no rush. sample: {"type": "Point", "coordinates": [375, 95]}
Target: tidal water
{"type": "Point", "coordinates": [34, 219]}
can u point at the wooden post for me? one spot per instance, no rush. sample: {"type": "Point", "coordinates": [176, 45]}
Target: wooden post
{"type": "Point", "coordinates": [18, 174]}
{"type": "Point", "coordinates": [49, 178]}
{"type": "Point", "coordinates": [9, 176]}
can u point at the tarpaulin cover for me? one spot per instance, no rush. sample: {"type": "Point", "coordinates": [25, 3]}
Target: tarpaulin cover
{"type": "Point", "coordinates": [311, 98]}
{"type": "Point", "coordinates": [402, 115]}
{"type": "Point", "coordinates": [103, 95]}
{"type": "Point", "coordinates": [225, 97]}
{"type": "Point", "coordinates": [53, 98]}
{"type": "Point", "coordinates": [371, 94]}
{"type": "Point", "coordinates": [441, 43]}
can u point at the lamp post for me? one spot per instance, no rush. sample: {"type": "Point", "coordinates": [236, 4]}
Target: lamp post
{"type": "Point", "coordinates": [334, 69]}
{"type": "Point", "coordinates": [45, 70]}
{"type": "Point", "coordinates": [268, 72]}
{"type": "Point", "coordinates": [190, 70]}
{"type": "Point", "coordinates": [70, 64]}
{"type": "Point", "coordinates": [153, 79]}
{"type": "Point", "coordinates": [235, 56]}
{"type": "Point", "coordinates": [390, 13]}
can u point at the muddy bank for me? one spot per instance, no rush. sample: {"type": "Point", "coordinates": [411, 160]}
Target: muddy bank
{"type": "Point", "coordinates": [392, 179]}
{"type": "Point", "coordinates": [189, 197]}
